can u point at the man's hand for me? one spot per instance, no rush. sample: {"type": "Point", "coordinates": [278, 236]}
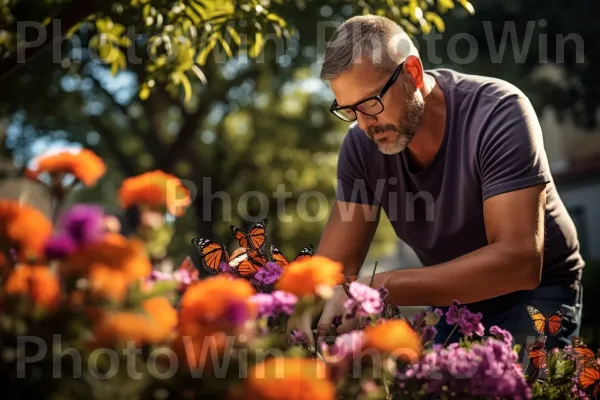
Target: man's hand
{"type": "Point", "coordinates": [334, 308]}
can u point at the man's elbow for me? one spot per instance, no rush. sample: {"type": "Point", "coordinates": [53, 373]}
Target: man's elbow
{"type": "Point", "coordinates": [531, 268]}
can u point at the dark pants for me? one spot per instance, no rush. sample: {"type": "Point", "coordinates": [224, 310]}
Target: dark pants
{"type": "Point", "coordinates": [509, 312]}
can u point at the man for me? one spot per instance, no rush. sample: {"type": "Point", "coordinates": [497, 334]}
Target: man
{"type": "Point", "coordinates": [457, 163]}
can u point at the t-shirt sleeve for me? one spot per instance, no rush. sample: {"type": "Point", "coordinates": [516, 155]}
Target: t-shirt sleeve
{"type": "Point", "coordinates": [352, 181]}
{"type": "Point", "coordinates": [512, 154]}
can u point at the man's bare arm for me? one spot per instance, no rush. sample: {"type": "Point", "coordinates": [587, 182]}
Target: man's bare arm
{"type": "Point", "coordinates": [348, 234]}
{"type": "Point", "coordinates": [511, 261]}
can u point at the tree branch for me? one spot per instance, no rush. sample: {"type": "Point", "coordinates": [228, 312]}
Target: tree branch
{"type": "Point", "coordinates": [193, 120]}
{"type": "Point", "coordinates": [71, 15]}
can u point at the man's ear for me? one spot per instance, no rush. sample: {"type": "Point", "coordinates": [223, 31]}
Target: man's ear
{"type": "Point", "coordinates": [414, 68]}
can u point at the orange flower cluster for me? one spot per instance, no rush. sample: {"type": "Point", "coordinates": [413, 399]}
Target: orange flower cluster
{"type": "Point", "coordinates": [309, 276]}
{"type": "Point", "coordinates": [84, 165]}
{"type": "Point", "coordinates": [24, 228]}
{"type": "Point", "coordinates": [282, 378]}
{"type": "Point", "coordinates": [155, 189]}
{"type": "Point", "coordinates": [395, 337]}
{"type": "Point", "coordinates": [111, 265]}
{"type": "Point", "coordinates": [37, 282]}
{"type": "Point", "coordinates": [210, 309]}
{"type": "Point", "coordinates": [152, 326]}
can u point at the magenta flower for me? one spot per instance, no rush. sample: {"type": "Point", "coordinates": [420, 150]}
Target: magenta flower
{"type": "Point", "coordinates": [84, 223]}
{"type": "Point", "coordinates": [489, 369]}
{"type": "Point", "coordinates": [268, 275]}
{"type": "Point", "coordinates": [365, 301]}
{"type": "Point", "coordinates": [59, 247]}
{"type": "Point", "coordinates": [469, 323]}
{"type": "Point", "coordinates": [265, 303]}
{"type": "Point", "coordinates": [297, 338]}
{"type": "Point", "coordinates": [501, 334]}
{"type": "Point", "coordinates": [276, 303]}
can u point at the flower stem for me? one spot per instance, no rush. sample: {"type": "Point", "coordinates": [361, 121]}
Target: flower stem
{"type": "Point", "coordinates": [451, 333]}
{"type": "Point", "coordinates": [373, 274]}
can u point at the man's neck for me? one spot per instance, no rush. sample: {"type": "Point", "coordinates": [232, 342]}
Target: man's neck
{"type": "Point", "coordinates": [428, 139]}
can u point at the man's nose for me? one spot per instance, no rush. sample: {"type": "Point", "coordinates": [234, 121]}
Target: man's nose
{"type": "Point", "coordinates": [364, 121]}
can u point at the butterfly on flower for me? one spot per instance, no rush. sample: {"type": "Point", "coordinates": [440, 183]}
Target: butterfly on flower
{"type": "Point", "coordinates": [278, 257]}
{"type": "Point", "coordinates": [588, 377]}
{"type": "Point", "coordinates": [188, 265]}
{"type": "Point", "coordinates": [583, 354]}
{"type": "Point", "coordinates": [552, 322]}
{"type": "Point", "coordinates": [247, 262]}
{"type": "Point", "coordinates": [537, 352]}
{"type": "Point", "coordinates": [212, 254]}
{"type": "Point", "coordinates": [255, 238]}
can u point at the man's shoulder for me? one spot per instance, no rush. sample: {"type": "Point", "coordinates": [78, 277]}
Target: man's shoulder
{"type": "Point", "coordinates": [464, 85]}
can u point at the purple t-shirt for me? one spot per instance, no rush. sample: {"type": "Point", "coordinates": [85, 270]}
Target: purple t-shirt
{"type": "Point", "coordinates": [492, 144]}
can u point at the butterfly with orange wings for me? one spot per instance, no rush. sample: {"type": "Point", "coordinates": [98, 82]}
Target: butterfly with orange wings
{"type": "Point", "coordinates": [583, 353]}
{"type": "Point", "coordinates": [589, 377]}
{"type": "Point", "coordinates": [278, 257]}
{"type": "Point", "coordinates": [212, 254]}
{"type": "Point", "coordinates": [244, 262]}
{"type": "Point", "coordinates": [255, 238]}
{"type": "Point", "coordinates": [537, 352]}
{"type": "Point", "coordinates": [552, 322]}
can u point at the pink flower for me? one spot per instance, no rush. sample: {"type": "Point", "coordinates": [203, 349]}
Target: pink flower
{"type": "Point", "coordinates": [365, 301]}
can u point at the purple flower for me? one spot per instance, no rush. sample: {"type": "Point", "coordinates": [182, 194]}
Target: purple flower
{"type": "Point", "coordinates": [501, 334]}
{"type": "Point", "coordinates": [237, 312]}
{"type": "Point", "coordinates": [284, 302]}
{"type": "Point", "coordinates": [269, 274]}
{"type": "Point", "coordinates": [265, 303]}
{"type": "Point", "coordinates": [225, 268]}
{"type": "Point", "coordinates": [84, 223]}
{"type": "Point", "coordinates": [469, 323]}
{"type": "Point", "coordinates": [271, 304]}
{"type": "Point", "coordinates": [297, 337]}
{"type": "Point", "coordinates": [365, 301]}
{"type": "Point", "coordinates": [428, 334]}
{"type": "Point", "coordinates": [340, 355]}
{"type": "Point", "coordinates": [59, 247]}
{"type": "Point", "coordinates": [488, 369]}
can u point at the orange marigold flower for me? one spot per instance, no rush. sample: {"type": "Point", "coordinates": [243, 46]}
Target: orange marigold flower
{"type": "Point", "coordinates": [310, 276]}
{"type": "Point", "coordinates": [152, 326]}
{"type": "Point", "coordinates": [37, 282]}
{"type": "Point", "coordinates": [114, 251]}
{"type": "Point", "coordinates": [84, 165]}
{"type": "Point", "coordinates": [155, 189]}
{"type": "Point", "coordinates": [198, 346]}
{"type": "Point", "coordinates": [107, 282]}
{"type": "Point", "coordinates": [283, 378]}
{"type": "Point", "coordinates": [217, 301]}
{"type": "Point", "coordinates": [24, 228]}
{"type": "Point", "coordinates": [395, 337]}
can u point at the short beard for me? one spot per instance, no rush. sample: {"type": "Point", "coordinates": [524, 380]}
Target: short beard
{"type": "Point", "coordinates": [406, 130]}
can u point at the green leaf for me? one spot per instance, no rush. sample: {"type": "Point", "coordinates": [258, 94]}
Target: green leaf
{"type": "Point", "coordinates": [257, 46]}
{"type": "Point", "coordinates": [203, 55]}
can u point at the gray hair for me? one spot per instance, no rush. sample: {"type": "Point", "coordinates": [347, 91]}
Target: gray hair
{"type": "Point", "coordinates": [379, 39]}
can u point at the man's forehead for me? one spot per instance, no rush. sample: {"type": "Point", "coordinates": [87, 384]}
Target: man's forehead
{"type": "Point", "coordinates": [359, 82]}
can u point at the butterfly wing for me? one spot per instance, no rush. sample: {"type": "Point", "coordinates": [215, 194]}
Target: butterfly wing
{"type": "Point", "coordinates": [538, 358]}
{"type": "Point", "coordinates": [539, 319]}
{"type": "Point", "coordinates": [240, 236]}
{"type": "Point", "coordinates": [583, 353]}
{"type": "Point", "coordinates": [278, 257]}
{"type": "Point", "coordinates": [589, 376]}
{"type": "Point", "coordinates": [211, 254]}
{"type": "Point", "coordinates": [555, 322]}
{"type": "Point", "coordinates": [256, 258]}
{"type": "Point", "coordinates": [258, 235]}
{"type": "Point", "coordinates": [306, 252]}
{"type": "Point", "coordinates": [247, 269]}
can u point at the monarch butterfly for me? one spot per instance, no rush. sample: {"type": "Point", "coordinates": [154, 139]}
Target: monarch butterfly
{"type": "Point", "coordinates": [248, 263]}
{"type": "Point", "coordinates": [211, 253]}
{"type": "Point", "coordinates": [280, 259]}
{"type": "Point", "coordinates": [537, 353]}
{"type": "Point", "coordinates": [589, 377]}
{"type": "Point", "coordinates": [583, 354]}
{"type": "Point", "coordinates": [540, 321]}
{"type": "Point", "coordinates": [255, 238]}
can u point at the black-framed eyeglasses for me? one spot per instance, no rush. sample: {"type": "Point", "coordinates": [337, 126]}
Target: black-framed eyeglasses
{"type": "Point", "coordinates": [369, 106]}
